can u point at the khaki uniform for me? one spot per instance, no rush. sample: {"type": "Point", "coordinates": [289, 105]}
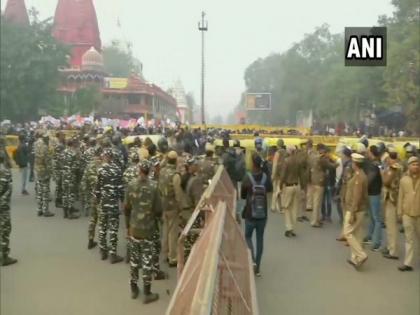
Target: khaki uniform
{"type": "Point", "coordinates": [319, 166]}
{"type": "Point", "coordinates": [409, 208]}
{"type": "Point", "coordinates": [356, 203]}
{"type": "Point", "coordinates": [391, 181]}
{"type": "Point", "coordinates": [291, 190]}
{"type": "Point", "coordinates": [278, 164]}
{"type": "Point", "coordinates": [172, 200]}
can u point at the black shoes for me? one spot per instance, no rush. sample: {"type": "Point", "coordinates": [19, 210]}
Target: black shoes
{"type": "Point", "coordinates": [92, 244]}
{"type": "Point", "coordinates": [48, 214]}
{"type": "Point", "coordinates": [149, 297]}
{"type": "Point", "coordinates": [160, 275]}
{"type": "Point", "coordinates": [389, 256]}
{"type": "Point", "coordinates": [114, 259]}
{"type": "Point", "coordinates": [7, 261]}
{"type": "Point", "coordinates": [405, 268]}
{"type": "Point", "coordinates": [39, 213]}
{"type": "Point", "coordinates": [104, 254]}
{"type": "Point", "coordinates": [173, 264]}
{"type": "Point", "coordinates": [134, 290]}
{"type": "Point", "coordinates": [289, 233]}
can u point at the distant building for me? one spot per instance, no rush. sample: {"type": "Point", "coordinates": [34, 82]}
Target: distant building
{"type": "Point", "coordinates": [16, 12]}
{"type": "Point", "coordinates": [178, 92]}
{"type": "Point", "coordinates": [76, 25]}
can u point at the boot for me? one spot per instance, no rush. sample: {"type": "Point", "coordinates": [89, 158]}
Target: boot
{"type": "Point", "coordinates": [134, 290]}
{"type": "Point", "coordinates": [161, 275]}
{"type": "Point", "coordinates": [71, 214]}
{"type": "Point", "coordinates": [66, 213]}
{"type": "Point", "coordinates": [92, 244]}
{"type": "Point", "coordinates": [149, 297]}
{"type": "Point", "coordinates": [48, 214]}
{"type": "Point", "coordinates": [115, 259]}
{"type": "Point", "coordinates": [104, 254]}
{"type": "Point", "coordinates": [39, 213]}
{"type": "Point", "coordinates": [7, 261]}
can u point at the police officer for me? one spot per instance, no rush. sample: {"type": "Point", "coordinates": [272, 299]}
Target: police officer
{"type": "Point", "coordinates": [172, 196]}
{"type": "Point", "coordinates": [391, 182]}
{"type": "Point", "coordinates": [71, 164]}
{"type": "Point", "coordinates": [208, 164]}
{"type": "Point", "coordinates": [142, 208]}
{"type": "Point", "coordinates": [278, 163]}
{"type": "Point", "coordinates": [42, 170]}
{"type": "Point", "coordinates": [5, 221]}
{"type": "Point", "coordinates": [290, 187]}
{"type": "Point", "coordinates": [356, 203]}
{"type": "Point", "coordinates": [87, 155]}
{"type": "Point", "coordinates": [132, 170]}
{"type": "Point", "coordinates": [409, 210]}
{"type": "Point", "coordinates": [89, 181]}
{"type": "Point", "coordinates": [58, 168]}
{"type": "Point", "coordinates": [109, 193]}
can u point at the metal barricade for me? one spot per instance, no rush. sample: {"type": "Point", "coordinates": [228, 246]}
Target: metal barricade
{"type": "Point", "coordinates": [218, 277]}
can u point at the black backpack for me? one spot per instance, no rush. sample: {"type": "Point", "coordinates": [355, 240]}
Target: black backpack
{"type": "Point", "coordinates": [258, 198]}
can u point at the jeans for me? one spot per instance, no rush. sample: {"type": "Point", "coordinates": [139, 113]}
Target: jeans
{"type": "Point", "coordinates": [326, 202]}
{"type": "Point", "coordinates": [24, 171]}
{"type": "Point", "coordinates": [375, 224]}
{"type": "Point", "coordinates": [259, 227]}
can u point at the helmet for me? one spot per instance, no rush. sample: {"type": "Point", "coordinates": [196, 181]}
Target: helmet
{"type": "Point", "coordinates": [381, 147]}
{"type": "Point", "coordinates": [280, 143]}
{"type": "Point", "coordinates": [236, 143]}
{"type": "Point", "coordinates": [116, 140]}
{"type": "Point", "coordinates": [365, 141]}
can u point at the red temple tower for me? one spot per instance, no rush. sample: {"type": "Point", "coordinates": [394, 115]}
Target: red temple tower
{"type": "Point", "coordinates": [16, 12]}
{"type": "Point", "coordinates": [76, 24]}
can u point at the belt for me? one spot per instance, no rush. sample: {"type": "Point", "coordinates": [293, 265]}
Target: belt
{"type": "Point", "coordinates": [290, 185]}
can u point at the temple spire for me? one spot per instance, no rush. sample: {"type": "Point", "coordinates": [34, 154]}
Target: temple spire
{"type": "Point", "coordinates": [16, 12]}
{"type": "Point", "coordinates": [76, 24]}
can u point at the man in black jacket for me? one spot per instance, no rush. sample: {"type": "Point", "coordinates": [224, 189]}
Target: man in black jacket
{"type": "Point", "coordinates": [21, 158]}
{"type": "Point", "coordinates": [253, 219]}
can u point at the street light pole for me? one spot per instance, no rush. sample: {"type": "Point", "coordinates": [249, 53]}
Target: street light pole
{"type": "Point", "coordinates": [202, 27]}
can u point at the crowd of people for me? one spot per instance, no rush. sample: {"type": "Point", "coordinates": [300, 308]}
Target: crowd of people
{"type": "Point", "coordinates": [156, 187]}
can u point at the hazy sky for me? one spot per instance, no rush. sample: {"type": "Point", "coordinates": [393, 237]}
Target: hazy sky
{"type": "Point", "coordinates": [166, 39]}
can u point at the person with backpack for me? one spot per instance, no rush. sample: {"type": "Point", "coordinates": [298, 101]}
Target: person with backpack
{"type": "Point", "coordinates": [255, 187]}
{"type": "Point", "coordinates": [21, 157]}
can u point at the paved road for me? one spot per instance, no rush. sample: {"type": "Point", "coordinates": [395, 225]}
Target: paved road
{"type": "Point", "coordinates": [57, 275]}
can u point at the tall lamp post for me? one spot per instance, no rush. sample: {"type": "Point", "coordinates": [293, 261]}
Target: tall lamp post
{"type": "Point", "coordinates": [202, 27]}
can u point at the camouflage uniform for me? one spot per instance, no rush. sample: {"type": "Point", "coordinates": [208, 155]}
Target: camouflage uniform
{"type": "Point", "coordinates": [58, 173]}
{"type": "Point", "coordinates": [109, 192]}
{"type": "Point", "coordinates": [5, 195]}
{"type": "Point", "coordinates": [193, 190]}
{"type": "Point", "coordinates": [89, 181]}
{"type": "Point", "coordinates": [142, 209]}
{"type": "Point", "coordinates": [86, 158]}
{"type": "Point", "coordinates": [42, 166]}
{"type": "Point", "coordinates": [70, 170]}
{"type": "Point", "coordinates": [118, 158]}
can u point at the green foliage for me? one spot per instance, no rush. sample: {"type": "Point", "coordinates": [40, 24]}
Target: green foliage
{"type": "Point", "coordinates": [29, 58]}
{"type": "Point", "coordinates": [119, 61]}
{"type": "Point", "coordinates": [311, 75]}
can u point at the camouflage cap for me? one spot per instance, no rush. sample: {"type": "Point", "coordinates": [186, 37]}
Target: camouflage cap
{"type": "Point", "coordinates": [145, 165]}
{"type": "Point", "coordinates": [413, 159]}
{"type": "Point", "coordinates": [134, 156]}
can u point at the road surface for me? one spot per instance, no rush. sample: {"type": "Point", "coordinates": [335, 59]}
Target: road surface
{"type": "Point", "coordinates": [57, 274]}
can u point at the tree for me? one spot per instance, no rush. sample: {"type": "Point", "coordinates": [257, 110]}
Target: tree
{"type": "Point", "coordinates": [30, 58]}
{"type": "Point", "coordinates": [119, 61]}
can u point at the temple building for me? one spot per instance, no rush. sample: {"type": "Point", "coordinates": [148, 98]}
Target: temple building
{"type": "Point", "coordinates": [16, 12]}
{"type": "Point", "coordinates": [76, 25]}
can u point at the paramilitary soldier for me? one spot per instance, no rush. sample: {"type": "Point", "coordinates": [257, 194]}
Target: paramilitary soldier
{"type": "Point", "coordinates": [70, 169]}
{"type": "Point", "coordinates": [58, 168]}
{"type": "Point", "coordinates": [192, 184]}
{"type": "Point", "coordinates": [42, 170]}
{"type": "Point", "coordinates": [142, 209]}
{"type": "Point", "coordinates": [89, 181]}
{"type": "Point", "coordinates": [5, 222]}
{"type": "Point", "coordinates": [109, 193]}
